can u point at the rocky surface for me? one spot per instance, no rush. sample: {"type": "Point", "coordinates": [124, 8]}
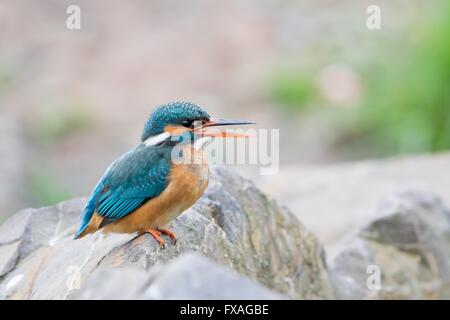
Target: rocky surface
{"type": "Point", "coordinates": [233, 224]}
{"type": "Point", "coordinates": [190, 276]}
{"type": "Point", "coordinates": [342, 196]}
{"type": "Point", "coordinates": [407, 244]}
{"type": "Point", "coordinates": [235, 243]}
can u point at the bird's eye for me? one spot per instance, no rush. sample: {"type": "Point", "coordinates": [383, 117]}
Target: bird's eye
{"type": "Point", "coordinates": [187, 123]}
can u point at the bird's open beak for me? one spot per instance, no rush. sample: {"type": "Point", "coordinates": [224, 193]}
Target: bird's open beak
{"type": "Point", "coordinates": [223, 122]}
{"type": "Point", "coordinates": [203, 131]}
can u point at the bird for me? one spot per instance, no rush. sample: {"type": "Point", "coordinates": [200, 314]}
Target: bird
{"type": "Point", "coordinates": [166, 173]}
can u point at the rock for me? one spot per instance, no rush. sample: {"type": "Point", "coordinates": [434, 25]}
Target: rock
{"type": "Point", "coordinates": [234, 243]}
{"type": "Point", "coordinates": [32, 228]}
{"type": "Point", "coordinates": [342, 195]}
{"type": "Point", "coordinates": [188, 276]}
{"type": "Point", "coordinates": [233, 224]}
{"type": "Point", "coordinates": [408, 243]}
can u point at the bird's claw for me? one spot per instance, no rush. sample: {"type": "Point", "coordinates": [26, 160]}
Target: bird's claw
{"type": "Point", "coordinates": [170, 234]}
{"type": "Point", "coordinates": [156, 233]}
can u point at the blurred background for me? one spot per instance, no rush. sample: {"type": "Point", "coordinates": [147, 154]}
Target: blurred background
{"type": "Point", "coordinates": [72, 101]}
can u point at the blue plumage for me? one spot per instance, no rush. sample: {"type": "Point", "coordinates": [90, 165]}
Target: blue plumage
{"type": "Point", "coordinates": [136, 177]}
{"type": "Point", "coordinates": [143, 173]}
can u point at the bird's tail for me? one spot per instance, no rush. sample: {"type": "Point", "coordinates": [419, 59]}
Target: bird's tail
{"type": "Point", "coordinates": [86, 216]}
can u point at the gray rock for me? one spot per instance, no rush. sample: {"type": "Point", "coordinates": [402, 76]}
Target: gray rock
{"type": "Point", "coordinates": [408, 242]}
{"type": "Point", "coordinates": [8, 257]}
{"type": "Point", "coordinates": [233, 224]}
{"type": "Point", "coordinates": [190, 276]}
{"type": "Point", "coordinates": [13, 228]}
{"type": "Point", "coordinates": [254, 248]}
{"type": "Point", "coordinates": [342, 196]}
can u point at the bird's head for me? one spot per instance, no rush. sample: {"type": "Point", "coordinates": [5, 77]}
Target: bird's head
{"type": "Point", "coordinates": [178, 119]}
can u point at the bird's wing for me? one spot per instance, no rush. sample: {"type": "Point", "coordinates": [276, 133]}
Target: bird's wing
{"type": "Point", "coordinates": [129, 182]}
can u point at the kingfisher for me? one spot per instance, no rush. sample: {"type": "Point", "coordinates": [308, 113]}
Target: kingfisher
{"type": "Point", "coordinates": [150, 185]}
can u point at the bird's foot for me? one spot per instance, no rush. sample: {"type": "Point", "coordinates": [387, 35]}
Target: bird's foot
{"type": "Point", "coordinates": [157, 235]}
{"type": "Point", "coordinates": [170, 234]}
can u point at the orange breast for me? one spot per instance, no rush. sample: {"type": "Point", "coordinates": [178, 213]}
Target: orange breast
{"type": "Point", "coordinates": [187, 182]}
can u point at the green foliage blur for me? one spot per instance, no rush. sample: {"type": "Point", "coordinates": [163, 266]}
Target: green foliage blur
{"type": "Point", "coordinates": [405, 102]}
{"type": "Point", "coordinates": [5, 80]}
{"type": "Point", "coordinates": [45, 190]}
{"type": "Point", "coordinates": [60, 123]}
{"type": "Point", "coordinates": [292, 88]}
{"type": "Point", "coordinates": [49, 129]}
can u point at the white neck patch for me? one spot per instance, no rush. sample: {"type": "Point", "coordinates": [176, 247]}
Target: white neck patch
{"type": "Point", "coordinates": [154, 140]}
